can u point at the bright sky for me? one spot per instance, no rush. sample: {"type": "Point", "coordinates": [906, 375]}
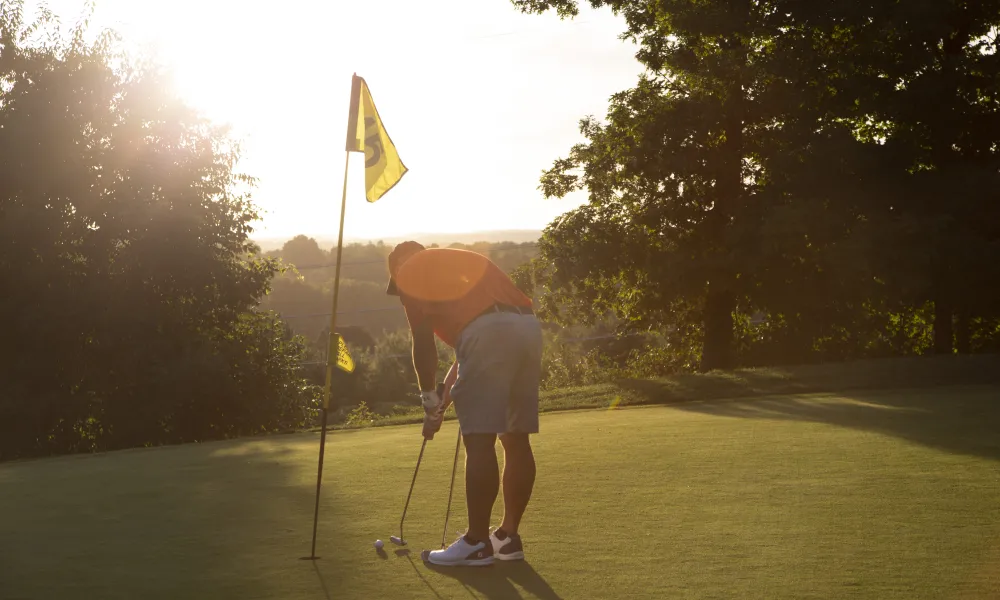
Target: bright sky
{"type": "Point", "coordinates": [477, 97]}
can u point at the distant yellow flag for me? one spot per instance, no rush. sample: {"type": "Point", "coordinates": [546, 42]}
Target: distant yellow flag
{"type": "Point", "coordinates": [344, 363]}
{"type": "Point", "coordinates": [366, 133]}
{"type": "Point", "coordinates": [344, 360]}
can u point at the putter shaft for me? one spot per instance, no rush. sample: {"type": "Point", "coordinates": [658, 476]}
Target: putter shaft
{"type": "Point", "coordinates": [454, 467]}
{"type": "Point", "coordinates": [402, 540]}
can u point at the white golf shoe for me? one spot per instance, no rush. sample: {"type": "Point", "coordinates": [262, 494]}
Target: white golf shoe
{"type": "Point", "coordinates": [462, 554]}
{"type": "Point", "coordinates": [508, 548]}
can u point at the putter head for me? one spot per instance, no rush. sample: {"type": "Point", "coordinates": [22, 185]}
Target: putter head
{"type": "Point", "coordinates": [397, 540]}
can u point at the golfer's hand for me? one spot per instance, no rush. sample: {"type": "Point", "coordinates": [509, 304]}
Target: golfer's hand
{"type": "Point", "coordinates": [433, 413]}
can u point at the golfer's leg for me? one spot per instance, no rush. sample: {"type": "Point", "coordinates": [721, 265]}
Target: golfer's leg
{"type": "Point", "coordinates": [482, 482]}
{"type": "Point", "coordinates": [522, 420]}
{"type": "Point", "coordinates": [482, 400]}
{"type": "Point", "coordinates": [518, 479]}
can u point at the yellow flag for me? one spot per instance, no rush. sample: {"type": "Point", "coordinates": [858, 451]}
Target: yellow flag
{"type": "Point", "coordinates": [344, 360]}
{"type": "Point", "coordinates": [366, 133]}
{"type": "Point", "coordinates": [344, 363]}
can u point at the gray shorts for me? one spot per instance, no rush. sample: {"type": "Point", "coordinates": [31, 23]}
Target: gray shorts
{"type": "Point", "coordinates": [499, 371]}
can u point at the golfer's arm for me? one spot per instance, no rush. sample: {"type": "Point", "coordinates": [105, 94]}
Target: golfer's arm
{"type": "Point", "coordinates": [425, 356]}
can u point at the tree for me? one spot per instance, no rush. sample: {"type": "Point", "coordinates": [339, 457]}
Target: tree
{"type": "Point", "coordinates": [303, 251]}
{"type": "Point", "coordinates": [936, 108]}
{"type": "Point", "coordinates": [786, 157]}
{"type": "Point", "coordinates": [676, 175]}
{"type": "Point", "coordinates": [130, 283]}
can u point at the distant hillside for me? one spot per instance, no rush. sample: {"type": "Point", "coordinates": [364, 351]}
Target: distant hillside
{"type": "Point", "coordinates": [441, 239]}
{"type": "Point", "coordinates": [303, 296]}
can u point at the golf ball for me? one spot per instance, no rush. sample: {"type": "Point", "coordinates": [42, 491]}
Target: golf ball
{"type": "Point", "coordinates": [378, 544]}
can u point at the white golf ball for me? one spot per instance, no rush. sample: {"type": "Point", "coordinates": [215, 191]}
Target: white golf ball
{"type": "Point", "coordinates": [378, 544]}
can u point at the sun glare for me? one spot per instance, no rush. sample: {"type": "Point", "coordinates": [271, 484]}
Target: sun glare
{"type": "Point", "coordinates": [468, 92]}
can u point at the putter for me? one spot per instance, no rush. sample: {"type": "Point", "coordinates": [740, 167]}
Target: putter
{"type": "Point", "coordinates": [454, 466]}
{"type": "Point", "coordinates": [400, 540]}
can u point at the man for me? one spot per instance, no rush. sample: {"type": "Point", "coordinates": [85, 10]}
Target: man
{"type": "Point", "coordinates": [471, 305]}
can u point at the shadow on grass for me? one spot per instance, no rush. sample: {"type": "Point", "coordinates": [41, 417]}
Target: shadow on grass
{"type": "Point", "coordinates": [497, 582]}
{"type": "Point", "coordinates": [214, 520]}
{"type": "Point", "coordinates": [322, 581]}
{"type": "Point", "coordinates": [735, 384]}
{"type": "Point", "coordinates": [420, 575]}
{"type": "Point", "coordinates": [958, 420]}
{"type": "Point", "coordinates": [874, 374]}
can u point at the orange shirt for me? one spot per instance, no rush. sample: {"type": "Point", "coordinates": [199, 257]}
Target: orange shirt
{"type": "Point", "coordinates": [451, 287]}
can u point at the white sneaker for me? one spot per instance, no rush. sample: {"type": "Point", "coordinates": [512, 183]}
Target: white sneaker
{"type": "Point", "coordinates": [462, 554]}
{"type": "Point", "coordinates": [509, 548]}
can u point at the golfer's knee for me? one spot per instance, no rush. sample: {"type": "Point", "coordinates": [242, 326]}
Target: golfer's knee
{"type": "Point", "coordinates": [479, 443]}
{"type": "Point", "coordinates": [515, 442]}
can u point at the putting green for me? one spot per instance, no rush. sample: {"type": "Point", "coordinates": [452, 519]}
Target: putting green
{"type": "Point", "coordinates": [864, 495]}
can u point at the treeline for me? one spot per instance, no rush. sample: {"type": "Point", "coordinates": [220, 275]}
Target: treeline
{"type": "Point", "coordinates": [788, 182]}
{"type": "Point", "coordinates": [130, 287]}
{"type": "Point", "coordinates": [302, 294]}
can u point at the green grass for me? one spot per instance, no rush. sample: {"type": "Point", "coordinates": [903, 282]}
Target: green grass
{"type": "Point", "coordinates": [865, 494]}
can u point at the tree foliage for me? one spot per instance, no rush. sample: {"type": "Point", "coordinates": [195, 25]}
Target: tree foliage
{"type": "Point", "coordinates": [830, 165]}
{"type": "Point", "coordinates": [129, 281]}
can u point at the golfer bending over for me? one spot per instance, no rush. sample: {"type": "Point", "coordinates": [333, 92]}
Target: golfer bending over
{"type": "Point", "coordinates": [475, 308]}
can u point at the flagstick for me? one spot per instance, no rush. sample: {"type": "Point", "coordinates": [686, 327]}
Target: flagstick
{"type": "Point", "coordinates": [331, 359]}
